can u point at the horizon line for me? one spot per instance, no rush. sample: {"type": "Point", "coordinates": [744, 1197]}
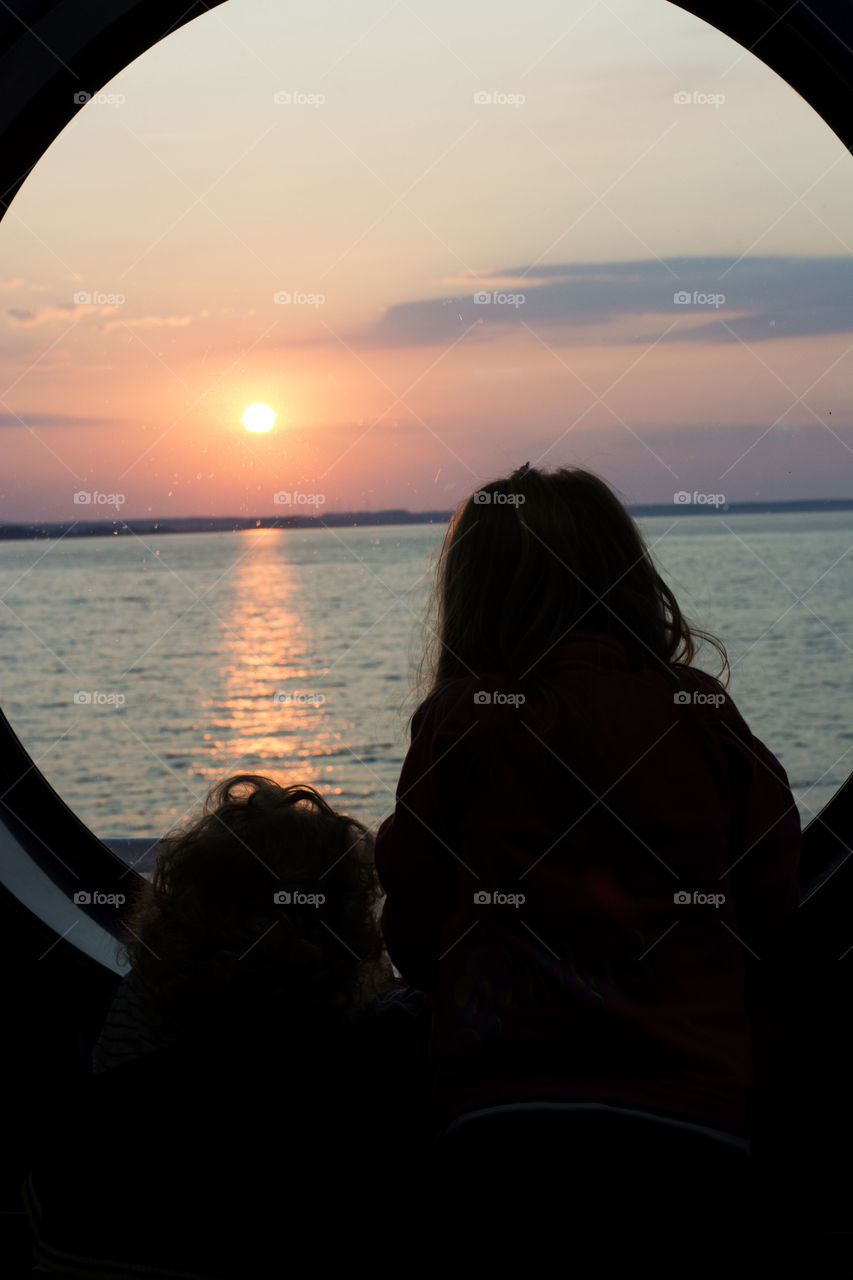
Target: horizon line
{"type": "Point", "coordinates": [386, 516]}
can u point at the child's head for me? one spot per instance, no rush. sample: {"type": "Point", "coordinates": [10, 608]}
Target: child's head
{"type": "Point", "coordinates": [261, 914]}
{"type": "Point", "coordinates": [529, 558]}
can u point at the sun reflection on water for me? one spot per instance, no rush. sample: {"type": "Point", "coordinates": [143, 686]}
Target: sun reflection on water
{"type": "Point", "coordinates": [272, 716]}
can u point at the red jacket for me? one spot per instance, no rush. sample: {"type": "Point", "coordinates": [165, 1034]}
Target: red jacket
{"type": "Point", "coordinates": [600, 984]}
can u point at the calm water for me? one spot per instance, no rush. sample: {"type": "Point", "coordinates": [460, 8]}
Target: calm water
{"type": "Point", "coordinates": [138, 672]}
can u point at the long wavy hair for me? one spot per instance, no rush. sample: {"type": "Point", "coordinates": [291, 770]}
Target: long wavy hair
{"type": "Point", "coordinates": [527, 560]}
{"type": "Point", "coordinates": [228, 936]}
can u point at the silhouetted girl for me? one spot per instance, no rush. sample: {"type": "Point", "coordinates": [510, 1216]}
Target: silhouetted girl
{"type": "Point", "coordinates": [589, 844]}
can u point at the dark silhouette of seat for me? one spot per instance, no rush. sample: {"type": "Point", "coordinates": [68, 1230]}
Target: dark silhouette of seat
{"type": "Point", "coordinates": [615, 1185]}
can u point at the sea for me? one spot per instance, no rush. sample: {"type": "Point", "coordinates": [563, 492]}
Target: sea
{"type": "Point", "coordinates": [138, 671]}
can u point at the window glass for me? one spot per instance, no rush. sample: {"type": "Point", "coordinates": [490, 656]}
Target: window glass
{"type": "Point", "coordinates": [435, 242]}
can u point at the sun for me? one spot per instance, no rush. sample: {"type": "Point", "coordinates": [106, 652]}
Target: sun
{"type": "Point", "coordinates": [258, 417]}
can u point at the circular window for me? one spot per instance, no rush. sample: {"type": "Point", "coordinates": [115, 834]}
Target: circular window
{"type": "Point", "coordinates": [291, 285]}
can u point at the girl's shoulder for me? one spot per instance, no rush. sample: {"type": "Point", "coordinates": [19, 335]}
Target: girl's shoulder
{"type": "Point", "coordinates": [703, 694]}
{"type": "Point", "coordinates": [709, 705]}
{"type": "Point", "coordinates": [451, 701]}
{"type": "Point", "coordinates": [482, 702]}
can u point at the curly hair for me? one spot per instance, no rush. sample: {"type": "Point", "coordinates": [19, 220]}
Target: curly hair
{"type": "Point", "coordinates": [531, 557]}
{"type": "Point", "coordinates": [261, 912]}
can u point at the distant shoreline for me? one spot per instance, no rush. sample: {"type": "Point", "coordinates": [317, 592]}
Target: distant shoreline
{"type": "Point", "coordinates": [354, 519]}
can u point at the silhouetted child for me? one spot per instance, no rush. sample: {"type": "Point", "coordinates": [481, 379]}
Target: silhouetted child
{"type": "Point", "coordinates": [589, 846]}
{"type": "Point", "coordinates": [259, 1054]}
{"type": "Point", "coordinates": [264, 905]}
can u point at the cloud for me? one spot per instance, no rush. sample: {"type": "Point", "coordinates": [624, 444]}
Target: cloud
{"type": "Point", "coordinates": [150, 322]}
{"type": "Point", "coordinates": [26, 318]}
{"type": "Point", "coordinates": [753, 299]}
{"type": "Point", "coordinates": [26, 418]}
{"type": "Point", "coordinates": [22, 317]}
{"type": "Point", "coordinates": [18, 282]}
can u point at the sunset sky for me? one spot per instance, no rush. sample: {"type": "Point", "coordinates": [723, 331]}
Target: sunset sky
{"type": "Point", "coordinates": [623, 155]}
